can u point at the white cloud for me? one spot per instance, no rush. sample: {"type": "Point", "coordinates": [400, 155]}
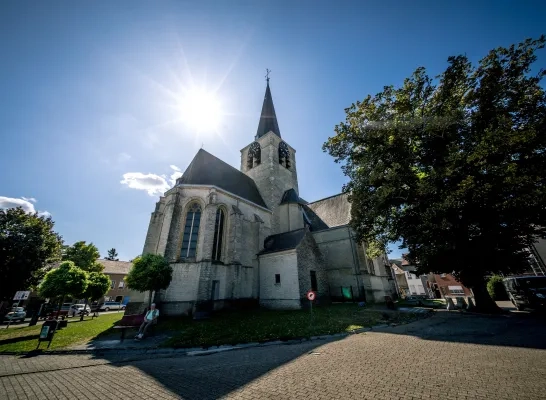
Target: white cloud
{"type": "Point", "coordinates": [175, 175]}
{"type": "Point", "coordinates": [9, 202]}
{"type": "Point", "coordinates": [24, 202]}
{"type": "Point", "coordinates": [151, 183]}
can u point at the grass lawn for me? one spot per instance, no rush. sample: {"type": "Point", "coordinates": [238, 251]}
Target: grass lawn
{"type": "Point", "coordinates": [26, 339]}
{"type": "Point", "coordinates": [263, 325]}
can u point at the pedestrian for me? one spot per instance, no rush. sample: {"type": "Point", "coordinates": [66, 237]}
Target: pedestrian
{"type": "Point", "coordinates": [149, 319]}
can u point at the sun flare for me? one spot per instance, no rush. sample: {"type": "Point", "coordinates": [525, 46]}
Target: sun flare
{"type": "Point", "coordinates": [201, 110]}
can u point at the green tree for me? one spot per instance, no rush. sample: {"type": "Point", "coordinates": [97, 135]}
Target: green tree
{"type": "Point", "coordinates": [98, 285]}
{"type": "Point", "coordinates": [66, 280]}
{"type": "Point", "coordinates": [112, 255]}
{"type": "Point", "coordinates": [150, 272]}
{"type": "Point", "coordinates": [453, 167]}
{"type": "Point", "coordinates": [28, 245]}
{"type": "Point", "coordinates": [84, 255]}
{"type": "Point", "coordinates": [496, 289]}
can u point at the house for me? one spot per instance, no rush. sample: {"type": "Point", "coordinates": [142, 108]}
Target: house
{"type": "Point", "coordinates": [117, 271]}
{"type": "Point", "coordinates": [445, 286]}
{"type": "Point", "coordinates": [407, 280]}
{"type": "Point", "coordinates": [241, 236]}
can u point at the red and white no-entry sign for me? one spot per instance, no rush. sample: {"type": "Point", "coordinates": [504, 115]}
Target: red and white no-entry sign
{"type": "Point", "coordinates": [311, 295]}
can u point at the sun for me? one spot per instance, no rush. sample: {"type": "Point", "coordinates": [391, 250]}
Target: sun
{"type": "Point", "coordinates": [201, 110]}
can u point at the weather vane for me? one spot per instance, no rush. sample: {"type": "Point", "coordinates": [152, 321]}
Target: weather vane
{"type": "Point", "coordinates": [267, 71]}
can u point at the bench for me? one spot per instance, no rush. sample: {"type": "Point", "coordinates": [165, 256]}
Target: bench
{"type": "Point", "coordinates": [129, 322]}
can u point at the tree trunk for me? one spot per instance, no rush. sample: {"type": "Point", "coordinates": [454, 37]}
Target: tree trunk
{"type": "Point", "coordinates": [84, 308]}
{"type": "Point", "coordinates": [484, 303]}
{"type": "Point", "coordinates": [150, 299]}
{"type": "Point", "coordinates": [60, 306]}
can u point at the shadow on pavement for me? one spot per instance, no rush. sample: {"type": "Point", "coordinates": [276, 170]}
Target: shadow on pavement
{"type": "Point", "coordinates": [514, 329]}
{"type": "Point", "coordinates": [215, 375]}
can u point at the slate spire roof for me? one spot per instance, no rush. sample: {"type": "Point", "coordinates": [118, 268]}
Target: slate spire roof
{"type": "Point", "coordinates": [206, 169]}
{"type": "Point", "coordinates": [268, 118]}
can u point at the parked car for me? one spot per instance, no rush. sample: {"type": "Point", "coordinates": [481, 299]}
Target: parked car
{"type": "Point", "coordinates": [16, 314]}
{"type": "Point", "coordinates": [416, 299]}
{"type": "Point", "coordinates": [526, 291]}
{"type": "Point", "coordinates": [78, 309]}
{"type": "Point", "coordinates": [111, 305]}
{"type": "Point", "coordinates": [52, 312]}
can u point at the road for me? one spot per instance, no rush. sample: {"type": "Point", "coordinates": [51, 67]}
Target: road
{"type": "Point", "coordinates": [449, 356]}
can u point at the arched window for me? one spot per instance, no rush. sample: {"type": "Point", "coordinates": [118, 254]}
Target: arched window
{"type": "Point", "coordinates": [284, 155]}
{"type": "Point", "coordinates": [191, 231]}
{"type": "Point", "coordinates": [218, 241]}
{"type": "Point", "coordinates": [254, 155]}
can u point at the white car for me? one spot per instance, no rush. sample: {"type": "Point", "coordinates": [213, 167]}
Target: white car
{"type": "Point", "coordinates": [17, 314]}
{"type": "Point", "coordinates": [111, 305]}
{"type": "Point", "coordinates": [78, 309]}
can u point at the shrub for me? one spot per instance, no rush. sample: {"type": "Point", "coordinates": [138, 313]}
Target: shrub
{"type": "Point", "coordinates": [496, 288]}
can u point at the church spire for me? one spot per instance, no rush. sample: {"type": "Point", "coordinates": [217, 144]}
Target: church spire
{"type": "Point", "coordinates": [268, 118]}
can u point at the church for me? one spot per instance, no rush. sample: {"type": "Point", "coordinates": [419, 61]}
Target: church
{"type": "Point", "coordinates": [245, 236]}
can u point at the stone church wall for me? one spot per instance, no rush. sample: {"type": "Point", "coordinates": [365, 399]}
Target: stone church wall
{"type": "Point", "coordinates": [285, 294]}
{"type": "Point", "coordinates": [311, 259]}
{"type": "Point", "coordinates": [340, 257]}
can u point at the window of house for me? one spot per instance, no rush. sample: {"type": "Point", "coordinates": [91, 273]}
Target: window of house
{"type": "Point", "coordinates": [112, 284]}
{"type": "Point", "coordinates": [191, 231]}
{"type": "Point", "coordinates": [456, 289]}
{"type": "Point", "coordinates": [409, 275]}
{"type": "Point", "coordinates": [121, 284]}
{"type": "Point", "coordinates": [313, 281]}
{"type": "Point", "coordinates": [254, 157]}
{"type": "Point", "coordinates": [218, 235]}
{"type": "Point", "coordinates": [277, 279]}
{"type": "Point", "coordinates": [284, 155]}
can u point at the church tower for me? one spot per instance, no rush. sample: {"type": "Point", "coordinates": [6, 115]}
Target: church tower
{"type": "Point", "coordinates": [271, 163]}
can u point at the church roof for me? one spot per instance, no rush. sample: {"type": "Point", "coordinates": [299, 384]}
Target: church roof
{"type": "Point", "coordinates": [206, 169]}
{"type": "Point", "coordinates": [268, 118]}
{"type": "Point", "coordinates": [283, 241]}
{"type": "Point", "coordinates": [333, 211]}
{"type": "Point", "coordinates": [290, 196]}
{"type": "Point", "coordinates": [316, 224]}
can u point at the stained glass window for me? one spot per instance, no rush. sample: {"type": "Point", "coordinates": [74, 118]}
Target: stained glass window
{"type": "Point", "coordinates": [218, 235]}
{"type": "Point", "coordinates": [191, 231]}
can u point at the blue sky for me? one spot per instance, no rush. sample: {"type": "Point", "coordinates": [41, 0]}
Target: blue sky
{"type": "Point", "coordinates": [90, 91]}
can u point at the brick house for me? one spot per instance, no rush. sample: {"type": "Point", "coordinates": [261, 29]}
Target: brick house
{"type": "Point", "coordinates": [117, 271]}
{"type": "Point", "coordinates": [445, 285]}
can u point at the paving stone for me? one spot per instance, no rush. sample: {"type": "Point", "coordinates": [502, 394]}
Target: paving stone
{"type": "Point", "coordinates": [448, 356]}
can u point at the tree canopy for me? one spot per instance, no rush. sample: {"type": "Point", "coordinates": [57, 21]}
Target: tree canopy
{"type": "Point", "coordinates": [453, 166]}
{"type": "Point", "coordinates": [112, 255]}
{"type": "Point", "coordinates": [150, 272]}
{"type": "Point", "coordinates": [66, 280]}
{"type": "Point", "coordinates": [27, 245]}
{"type": "Point", "coordinates": [84, 255]}
{"type": "Point", "coordinates": [98, 285]}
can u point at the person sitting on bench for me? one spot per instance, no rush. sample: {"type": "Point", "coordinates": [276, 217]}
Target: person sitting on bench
{"type": "Point", "coordinates": [149, 319]}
